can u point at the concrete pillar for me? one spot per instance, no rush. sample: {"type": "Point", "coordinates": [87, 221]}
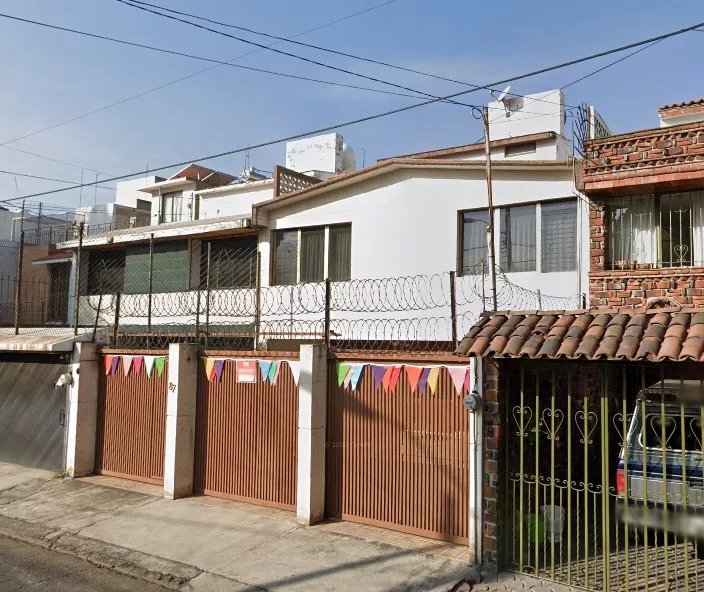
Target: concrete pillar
{"type": "Point", "coordinates": [180, 420]}
{"type": "Point", "coordinates": [312, 395]}
{"type": "Point", "coordinates": [82, 410]}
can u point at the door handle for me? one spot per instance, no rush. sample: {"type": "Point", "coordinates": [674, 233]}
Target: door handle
{"type": "Point", "coordinates": [62, 417]}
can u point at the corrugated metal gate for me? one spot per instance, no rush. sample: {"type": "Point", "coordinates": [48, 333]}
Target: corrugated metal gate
{"type": "Point", "coordinates": [132, 425]}
{"type": "Point", "coordinates": [247, 438]}
{"type": "Point", "coordinates": [32, 416]}
{"type": "Point", "coordinates": [398, 460]}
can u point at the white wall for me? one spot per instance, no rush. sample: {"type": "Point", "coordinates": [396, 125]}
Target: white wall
{"type": "Point", "coordinates": [558, 149]}
{"type": "Point", "coordinates": [405, 223]}
{"type": "Point", "coordinates": [532, 114]}
{"type": "Point", "coordinates": [321, 153]}
{"type": "Point", "coordinates": [127, 192]}
{"type": "Point", "coordinates": [236, 201]}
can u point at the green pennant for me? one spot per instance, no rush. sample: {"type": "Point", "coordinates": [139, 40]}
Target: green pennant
{"type": "Point", "coordinates": [272, 371]}
{"type": "Point", "coordinates": [159, 363]}
{"type": "Point", "coordinates": [342, 371]}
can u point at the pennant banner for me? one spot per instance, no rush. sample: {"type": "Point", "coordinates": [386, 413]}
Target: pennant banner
{"type": "Point", "coordinates": [395, 375]}
{"type": "Point", "coordinates": [423, 380]}
{"type": "Point", "coordinates": [149, 365]}
{"type": "Point", "coordinates": [413, 374]}
{"type": "Point", "coordinates": [265, 367]}
{"type": "Point", "coordinates": [108, 365]}
{"type": "Point", "coordinates": [160, 362]}
{"type": "Point", "coordinates": [379, 372]}
{"type": "Point", "coordinates": [138, 362]}
{"type": "Point", "coordinates": [295, 368]}
{"type": "Point", "coordinates": [469, 380]}
{"type": "Point", "coordinates": [127, 364]}
{"type": "Point", "coordinates": [433, 376]}
{"type": "Point", "coordinates": [457, 373]}
{"type": "Point", "coordinates": [274, 372]}
{"type": "Point", "coordinates": [356, 376]}
{"type": "Point", "coordinates": [342, 371]}
{"type": "Point", "coordinates": [219, 367]}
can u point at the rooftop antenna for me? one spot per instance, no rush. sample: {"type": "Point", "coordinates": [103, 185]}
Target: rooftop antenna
{"type": "Point", "coordinates": [502, 99]}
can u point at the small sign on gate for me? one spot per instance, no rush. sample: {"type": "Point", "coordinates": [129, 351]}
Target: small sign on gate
{"type": "Point", "coordinates": [246, 370]}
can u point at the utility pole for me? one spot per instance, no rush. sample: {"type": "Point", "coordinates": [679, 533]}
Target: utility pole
{"type": "Point", "coordinates": [490, 227]}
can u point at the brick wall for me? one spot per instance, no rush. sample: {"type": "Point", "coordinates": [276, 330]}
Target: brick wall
{"type": "Point", "coordinates": [492, 462]}
{"type": "Point", "coordinates": [645, 160]}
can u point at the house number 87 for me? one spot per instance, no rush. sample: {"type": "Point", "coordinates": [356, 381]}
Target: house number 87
{"type": "Point", "coordinates": [172, 387]}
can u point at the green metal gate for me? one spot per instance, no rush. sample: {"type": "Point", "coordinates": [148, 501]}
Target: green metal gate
{"type": "Point", "coordinates": [590, 446]}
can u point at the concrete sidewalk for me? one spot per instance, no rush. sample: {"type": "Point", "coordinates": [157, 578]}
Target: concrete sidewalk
{"type": "Point", "coordinates": [202, 543]}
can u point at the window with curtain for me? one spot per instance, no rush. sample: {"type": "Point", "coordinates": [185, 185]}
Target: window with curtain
{"type": "Point", "coordinates": [233, 263]}
{"type": "Point", "coordinates": [558, 236]}
{"type": "Point", "coordinates": [475, 244]}
{"type": "Point", "coordinates": [517, 244]}
{"type": "Point", "coordinates": [299, 255]}
{"type": "Point", "coordinates": [171, 204]}
{"type": "Point", "coordinates": [285, 258]}
{"type": "Point", "coordinates": [106, 271]}
{"type": "Point", "coordinates": [656, 231]}
{"type": "Point", "coordinates": [312, 256]}
{"type": "Point", "coordinates": [340, 253]}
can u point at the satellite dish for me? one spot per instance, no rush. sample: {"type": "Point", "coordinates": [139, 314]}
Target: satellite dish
{"type": "Point", "coordinates": [503, 94]}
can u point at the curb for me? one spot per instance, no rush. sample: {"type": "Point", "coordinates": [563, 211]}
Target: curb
{"type": "Point", "coordinates": [172, 575]}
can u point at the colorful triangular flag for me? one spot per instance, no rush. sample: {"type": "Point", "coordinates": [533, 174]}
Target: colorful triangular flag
{"type": "Point", "coordinates": [273, 371]}
{"type": "Point", "coordinates": [219, 367]}
{"type": "Point", "coordinates": [342, 371]}
{"type": "Point", "coordinates": [423, 380]}
{"type": "Point", "coordinates": [350, 373]}
{"type": "Point", "coordinates": [468, 379]}
{"type": "Point", "coordinates": [413, 374]}
{"type": "Point", "coordinates": [160, 362]}
{"type": "Point", "coordinates": [395, 375]}
{"type": "Point", "coordinates": [457, 373]}
{"type": "Point", "coordinates": [210, 369]}
{"type": "Point", "coordinates": [149, 365]}
{"type": "Point", "coordinates": [127, 364]}
{"type": "Point", "coordinates": [265, 367]}
{"type": "Point", "coordinates": [138, 362]}
{"type": "Point", "coordinates": [433, 379]}
{"type": "Point", "coordinates": [295, 368]}
{"type": "Point", "coordinates": [108, 364]}
{"type": "Point", "coordinates": [379, 372]}
{"type": "Point", "coordinates": [356, 376]}
{"type": "Point", "coordinates": [387, 377]}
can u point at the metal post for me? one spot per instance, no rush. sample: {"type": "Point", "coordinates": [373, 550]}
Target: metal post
{"type": "Point", "coordinates": [453, 309]}
{"type": "Point", "coordinates": [540, 301]}
{"type": "Point", "coordinates": [39, 225]}
{"type": "Point", "coordinates": [149, 309]}
{"type": "Point", "coordinates": [200, 260]}
{"type": "Point", "coordinates": [490, 227]}
{"type": "Point", "coordinates": [328, 298]}
{"type": "Point", "coordinates": [117, 320]}
{"type": "Point", "coordinates": [207, 298]}
{"type": "Point", "coordinates": [483, 287]}
{"type": "Point", "coordinates": [257, 301]}
{"type": "Point", "coordinates": [18, 283]}
{"type": "Point", "coordinates": [77, 279]}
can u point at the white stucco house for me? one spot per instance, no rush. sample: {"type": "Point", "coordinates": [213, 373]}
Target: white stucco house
{"type": "Point", "coordinates": [418, 216]}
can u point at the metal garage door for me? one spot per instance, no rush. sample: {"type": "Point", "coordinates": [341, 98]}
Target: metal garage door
{"type": "Point", "coordinates": [246, 438]}
{"type": "Point", "coordinates": [398, 459]}
{"type": "Point", "coordinates": [32, 411]}
{"type": "Point", "coordinates": [132, 425]}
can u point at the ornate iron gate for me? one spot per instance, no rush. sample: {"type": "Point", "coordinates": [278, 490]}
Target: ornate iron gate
{"type": "Point", "coordinates": [588, 442]}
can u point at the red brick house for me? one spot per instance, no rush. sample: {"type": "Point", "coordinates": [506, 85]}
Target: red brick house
{"type": "Point", "coordinates": [565, 391]}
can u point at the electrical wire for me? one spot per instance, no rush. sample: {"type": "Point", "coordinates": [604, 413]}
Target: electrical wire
{"type": "Point", "coordinates": [47, 178]}
{"type": "Point", "coordinates": [176, 81]}
{"type": "Point", "coordinates": [320, 48]}
{"type": "Point", "coordinates": [375, 116]}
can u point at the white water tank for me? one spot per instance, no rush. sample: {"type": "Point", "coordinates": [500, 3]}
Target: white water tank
{"type": "Point", "coordinates": [349, 161]}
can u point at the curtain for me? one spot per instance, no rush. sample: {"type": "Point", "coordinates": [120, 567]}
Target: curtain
{"type": "Point", "coordinates": [698, 227]}
{"type": "Point", "coordinates": [518, 239]}
{"type": "Point", "coordinates": [340, 253]}
{"type": "Point", "coordinates": [312, 255]}
{"type": "Point", "coordinates": [635, 231]}
{"type": "Point", "coordinates": [475, 246]}
{"type": "Point", "coordinates": [558, 236]}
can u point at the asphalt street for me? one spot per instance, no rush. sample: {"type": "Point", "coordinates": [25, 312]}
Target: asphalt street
{"type": "Point", "coordinates": [26, 567]}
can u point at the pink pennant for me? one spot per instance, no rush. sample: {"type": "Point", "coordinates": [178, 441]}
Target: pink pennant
{"type": "Point", "coordinates": [127, 363]}
{"type": "Point", "coordinates": [457, 373]}
{"type": "Point", "coordinates": [468, 378]}
{"type": "Point", "coordinates": [387, 377]}
{"type": "Point", "coordinates": [393, 381]}
{"type": "Point", "coordinates": [138, 363]}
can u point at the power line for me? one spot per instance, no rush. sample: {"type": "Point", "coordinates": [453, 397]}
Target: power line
{"type": "Point", "coordinates": [375, 116]}
{"type": "Point", "coordinates": [176, 81]}
{"type": "Point", "coordinates": [291, 55]}
{"type": "Point", "coordinates": [76, 166]}
{"type": "Point", "coordinates": [317, 47]}
{"type": "Point", "coordinates": [47, 178]}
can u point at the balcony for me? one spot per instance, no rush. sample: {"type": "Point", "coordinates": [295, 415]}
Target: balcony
{"type": "Point", "coordinates": [649, 161]}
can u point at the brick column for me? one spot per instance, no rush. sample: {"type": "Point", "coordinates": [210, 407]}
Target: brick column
{"type": "Point", "coordinates": [312, 411]}
{"type": "Point", "coordinates": [180, 420]}
{"type": "Point", "coordinates": [82, 410]}
{"type": "Point", "coordinates": [492, 461]}
{"type": "Point", "coordinates": [597, 236]}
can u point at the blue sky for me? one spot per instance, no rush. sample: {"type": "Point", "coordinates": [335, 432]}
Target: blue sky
{"type": "Point", "coordinates": [50, 76]}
